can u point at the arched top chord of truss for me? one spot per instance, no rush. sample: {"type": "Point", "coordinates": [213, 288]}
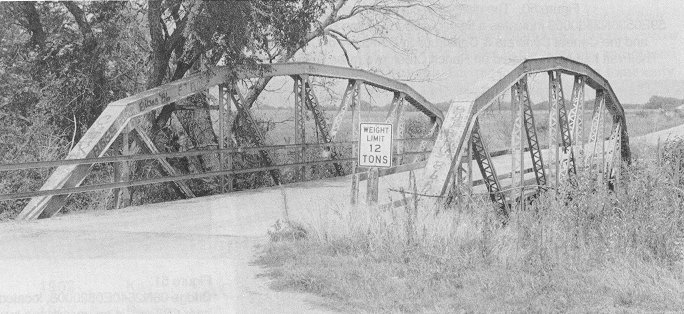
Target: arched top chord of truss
{"type": "Point", "coordinates": [369, 78]}
{"type": "Point", "coordinates": [116, 115]}
{"type": "Point", "coordinates": [459, 120]}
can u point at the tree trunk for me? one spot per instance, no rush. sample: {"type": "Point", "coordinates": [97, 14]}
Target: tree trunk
{"type": "Point", "coordinates": [34, 25]}
{"type": "Point", "coordinates": [159, 56]}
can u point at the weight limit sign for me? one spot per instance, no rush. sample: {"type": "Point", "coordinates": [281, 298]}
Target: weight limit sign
{"type": "Point", "coordinates": [375, 145]}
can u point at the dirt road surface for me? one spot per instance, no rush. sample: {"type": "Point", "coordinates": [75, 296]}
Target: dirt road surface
{"type": "Point", "coordinates": [652, 138]}
{"type": "Point", "coordinates": [188, 256]}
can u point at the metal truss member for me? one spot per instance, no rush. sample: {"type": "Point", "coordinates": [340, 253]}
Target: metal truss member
{"type": "Point", "coordinates": [254, 134]}
{"type": "Point", "coordinates": [484, 162]}
{"type": "Point", "coordinates": [530, 130]}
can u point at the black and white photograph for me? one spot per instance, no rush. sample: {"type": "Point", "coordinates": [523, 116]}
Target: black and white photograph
{"type": "Point", "coordinates": [342, 156]}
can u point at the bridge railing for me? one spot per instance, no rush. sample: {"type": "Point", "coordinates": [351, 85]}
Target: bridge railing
{"type": "Point", "coordinates": [372, 175]}
{"type": "Point", "coordinates": [372, 189]}
{"type": "Point", "coordinates": [117, 183]}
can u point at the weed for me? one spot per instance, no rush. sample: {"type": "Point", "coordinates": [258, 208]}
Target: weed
{"type": "Point", "coordinates": [585, 248]}
{"type": "Point", "coordinates": [286, 230]}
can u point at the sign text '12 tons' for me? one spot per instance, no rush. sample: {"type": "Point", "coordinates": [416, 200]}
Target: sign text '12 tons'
{"type": "Point", "coordinates": [375, 145]}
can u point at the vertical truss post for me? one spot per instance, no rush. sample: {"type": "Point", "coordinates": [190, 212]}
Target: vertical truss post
{"type": "Point", "coordinates": [469, 167]}
{"type": "Point", "coordinates": [624, 137]}
{"type": "Point", "coordinates": [122, 196]}
{"type": "Point", "coordinates": [610, 154]}
{"type": "Point", "coordinates": [116, 192]}
{"type": "Point", "coordinates": [393, 117]}
{"type": "Point", "coordinates": [596, 125]}
{"type": "Point", "coordinates": [228, 135]}
{"type": "Point", "coordinates": [484, 162]}
{"type": "Point", "coordinates": [601, 166]}
{"type": "Point", "coordinates": [555, 94]}
{"type": "Point", "coordinates": [255, 136]}
{"type": "Point", "coordinates": [400, 123]}
{"type": "Point", "coordinates": [517, 143]}
{"type": "Point", "coordinates": [356, 116]}
{"type": "Point", "coordinates": [567, 158]}
{"type": "Point", "coordinates": [617, 163]}
{"type": "Point", "coordinates": [321, 123]}
{"type": "Point", "coordinates": [299, 124]}
{"type": "Point", "coordinates": [576, 115]}
{"type": "Point", "coordinates": [611, 168]}
{"type": "Point", "coordinates": [222, 135]}
{"type": "Point", "coordinates": [531, 132]}
{"type": "Point", "coordinates": [125, 197]}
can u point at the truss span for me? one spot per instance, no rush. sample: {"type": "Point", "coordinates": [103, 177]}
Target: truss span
{"type": "Point", "coordinates": [117, 115]}
{"type": "Point", "coordinates": [451, 142]}
{"type": "Point", "coordinates": [454, 130]}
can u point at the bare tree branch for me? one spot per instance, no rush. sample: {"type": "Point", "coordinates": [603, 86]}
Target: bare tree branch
{"type": "Point", "coordinates": [344, 37]}
{"type": "Point", "coordinates": [375, 14]}
{"type": "Point", "coordinates": [159, 63]}
{"type": "Point", "coordinates": [344, 50]}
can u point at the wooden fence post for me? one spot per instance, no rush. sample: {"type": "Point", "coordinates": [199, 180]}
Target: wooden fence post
{"type": "Point", "coordinates": [372, 186]}
{"type": "Point", "coordinates": [354, 185]}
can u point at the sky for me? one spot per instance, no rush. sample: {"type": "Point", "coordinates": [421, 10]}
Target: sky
{"type": "Point", "coordinates": [637, 45]}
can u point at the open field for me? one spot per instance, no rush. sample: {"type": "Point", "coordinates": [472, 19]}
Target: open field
{"type": "Point", "coordinates": [496, 124]}
{"type": "Point", "coordinates": [283, 130]}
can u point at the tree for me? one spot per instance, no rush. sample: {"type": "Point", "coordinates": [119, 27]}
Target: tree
{"type": "Point", "coordinates": [61, 64]}
{"type": "Point", "coordinates": [350, 24]}
{"type": "Point", "coordinates": [74, 58]}
{"type": "Point", "coordinates": [186, 33]}
{"type": "Point", "coordinates": [71, 66]}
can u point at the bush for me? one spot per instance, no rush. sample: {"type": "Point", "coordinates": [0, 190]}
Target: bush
{"type": "Point", "coordinates": [672, 159]}
{"type": "Point", "coordinates": [26, 141]}
{"type": "Point", "coordinates": [37, 139]}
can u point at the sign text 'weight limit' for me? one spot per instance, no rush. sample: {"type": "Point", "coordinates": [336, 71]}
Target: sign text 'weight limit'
{"type": "Point", "coordinates": [375, 145]}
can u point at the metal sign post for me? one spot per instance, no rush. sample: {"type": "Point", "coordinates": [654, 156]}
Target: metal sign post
{"type": "Point", "coordinates": [375, 151]}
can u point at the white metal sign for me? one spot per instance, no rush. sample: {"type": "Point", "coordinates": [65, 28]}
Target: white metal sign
{"type": "Point", "coordinates": [375, 145]}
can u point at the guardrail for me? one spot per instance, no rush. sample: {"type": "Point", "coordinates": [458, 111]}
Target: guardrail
{"type": "Point", "coordinates": [359, 174]}
{"type": "Point", "coordinates": [174, 178]}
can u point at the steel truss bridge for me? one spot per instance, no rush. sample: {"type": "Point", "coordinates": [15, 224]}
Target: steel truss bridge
{"type": "Point", "coordinates": [444, 157]}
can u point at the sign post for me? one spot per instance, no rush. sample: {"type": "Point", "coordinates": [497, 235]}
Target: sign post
{"type": "Point", "coordinates": [375, 151]}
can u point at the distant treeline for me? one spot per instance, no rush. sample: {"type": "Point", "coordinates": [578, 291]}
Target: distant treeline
{"type": "Point", "coordinates": [659, 102]}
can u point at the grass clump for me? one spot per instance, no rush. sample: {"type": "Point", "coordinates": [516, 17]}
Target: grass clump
{"type": "Point", "coordinates": [584, 248]}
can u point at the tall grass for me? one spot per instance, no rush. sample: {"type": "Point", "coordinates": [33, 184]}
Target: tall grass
{"type": "Point", "coordinates": [580, 248]}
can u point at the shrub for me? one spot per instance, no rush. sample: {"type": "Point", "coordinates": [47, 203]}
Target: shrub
{"type": "Point", "coordinates": [26, 141]}
{"type": "Point", "coordinates": [37, 139]}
